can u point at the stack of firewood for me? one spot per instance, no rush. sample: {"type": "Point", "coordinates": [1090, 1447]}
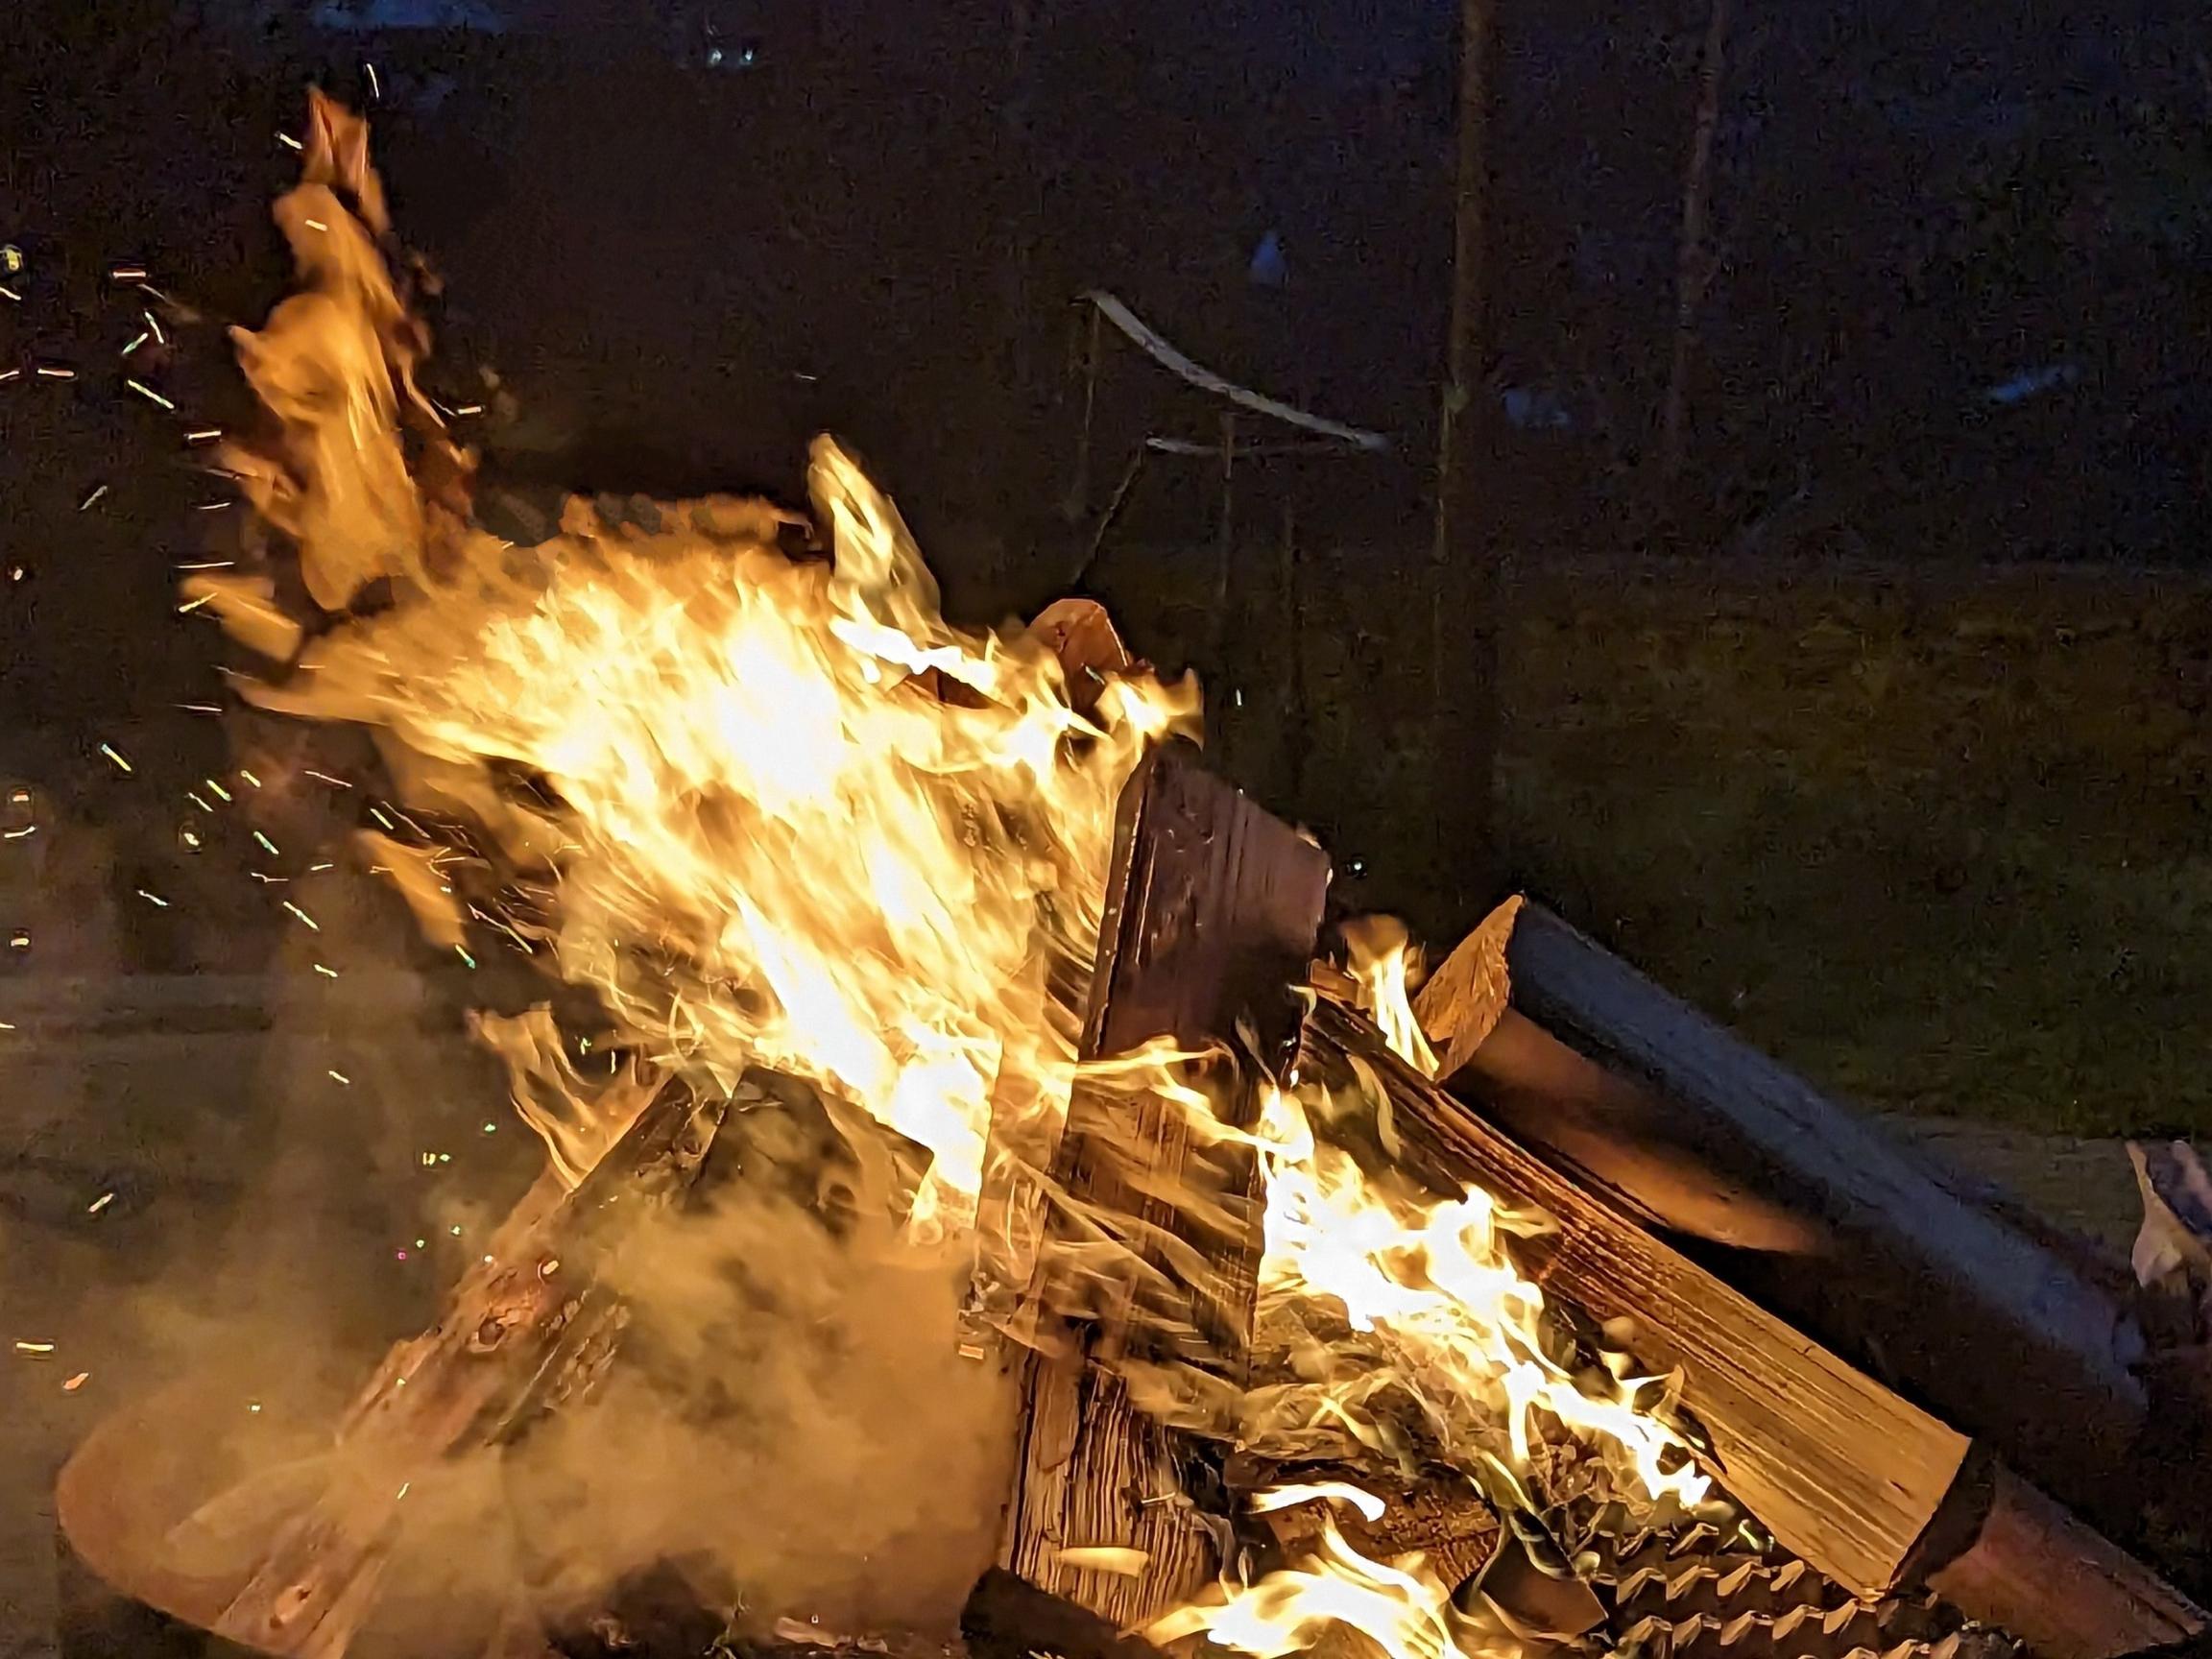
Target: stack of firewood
{"type": "Point", "coordinates": [1933, 1419]}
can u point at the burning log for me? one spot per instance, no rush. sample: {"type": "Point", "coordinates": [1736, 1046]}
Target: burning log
{"type": "Point", "coordinates": [1857, 1241]}
{"type": "Point", "coordinates": [1213, 909]}
{"type": "Point", "coordinates": [1863, 1485]}
{"type": "Point", "coordinates": [524, 1329]}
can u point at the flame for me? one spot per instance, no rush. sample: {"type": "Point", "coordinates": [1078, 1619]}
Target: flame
{"type": "Point", "coordinates": [1401, 1608]}
{"type": "Point", "coordinates": [780, 812]}
{"type": "Point", "coordinates": [777, 810]}
{"type": "Point", "coordinates": [1384, 963]}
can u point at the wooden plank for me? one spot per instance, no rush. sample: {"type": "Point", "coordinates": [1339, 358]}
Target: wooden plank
{"type": "Point", "coordinates": [1213, 911]}
{"type": "Point", "coordinates": [1939, 1296]}
{"type": "Point", "coordinates": [1841, 1470]}
{"type": "Point", "coordinates": [507, 1328]}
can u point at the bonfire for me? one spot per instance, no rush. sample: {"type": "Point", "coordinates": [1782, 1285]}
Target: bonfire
{"type": "Point", "coordinates": [932, 1057]}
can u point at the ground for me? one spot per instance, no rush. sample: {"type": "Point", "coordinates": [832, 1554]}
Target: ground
{"type": "Point", "coordinates": [1938, 840]}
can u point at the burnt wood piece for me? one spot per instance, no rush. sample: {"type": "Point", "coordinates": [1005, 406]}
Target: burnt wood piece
{"type": "Point", "coordinates": [1864, 1486]}
{"type": "Point", "coordinates": [1024, 1139]}
{"type": "Point", "coordinates": [1212, 914]}
{"type": "Point", "coordinates": [511, 1326]}
{"type": "Point", "coordinates": [2063, 1589]}
{"type": "Point", "coordinates": [1939, 1296]}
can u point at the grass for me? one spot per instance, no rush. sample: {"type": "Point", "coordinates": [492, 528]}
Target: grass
{"type": "Point", "coordinates": [1939, 842]}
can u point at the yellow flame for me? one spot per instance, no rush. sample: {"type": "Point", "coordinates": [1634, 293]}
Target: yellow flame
{"type": "Point", "coordinates": [1384, 962]}
{"type": "Point", "coordinates": [1402, 1607]}
{"type": "Point", "coordinates": [790, 816]}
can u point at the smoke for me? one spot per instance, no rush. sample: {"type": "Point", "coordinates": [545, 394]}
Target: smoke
{"type": "Point", "coordinates": [789, 1423]}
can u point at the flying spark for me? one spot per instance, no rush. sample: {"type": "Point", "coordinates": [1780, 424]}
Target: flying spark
{"type": "Point", "coordinates": [110, 751]}
{"type": "Point", "coordinates": [145, 391]}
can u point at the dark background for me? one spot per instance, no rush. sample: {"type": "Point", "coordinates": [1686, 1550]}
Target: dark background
{"type": "Point", "coordinates": [1961, 318]}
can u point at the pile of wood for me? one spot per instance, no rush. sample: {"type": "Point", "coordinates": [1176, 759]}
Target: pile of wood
{"type": "Point", "coordinates": [1932, 1417]}
{"type": "Point", "coordinates": [1928, 1409]}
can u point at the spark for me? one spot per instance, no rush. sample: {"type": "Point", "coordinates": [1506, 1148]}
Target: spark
{"type": "Point", "coordinates": [153, 293]}
{"type": "Point", "coordinates": [267, 880]}
{"type": "Point", "coordinates": [289, 142]}
{"type": "Point", "coordinates": [101, 1203]}
{"type": "Point", "coordinates": [109, 750]}
{"type": "Point", "coordinates": [249, 777]}
{"type": "Point", "coordinates": [153, 323]}
{"type": "Point", "coordinates": [136, 340]}
{"type": "Point", "coordinates": [56, 372]}
{"type": "Point", "coordinates": [154, 898]}
{"type": "Point", "coordinates": [210, 565]}
{"type": "Point", "coordinates": [126, 273]}
{"type": "Point", "coordinates": [6, 375]}
{"type": "Point", "coordinates": [253, 1406]}
{"type": "Point", "coordinates": [377, 813]}
{"type": "Point", "coordinates": [75, 1383]}
{"type": "Point", "coordinates": [375, 86]}
{"type": "Point", "coordinates": [326, 972]}
{"type": "Point", "coordinates": [200, 707]}
{"type": "Point", "coordinates": [211, 506]}
{"type": "Point", "coordinates": [36, 1348]}
{"type": "Point", "coordinates": [203, 435]}
{"type": "Point", "coordinates": [268, 846]}
{"type": "Point", "coordinates": [325, 777]}
{"type": "Point", "coordinates": [461, 953]}
{"type": "Point", "coordinates": [92, 498]}
{"type": "Point", "coordinates": [313, 924]}
{"type": "Point", "coordinates": [10, 292]}
{"type": "Point", "coordinates": [341, 1077]}
{"type": "Point", "coordinates": [315, 868]}
{"type": "Point", "coordinates": [223, 793]}
{"type": "Point", "coordinates": [315, 224]}
{"type": "Point", "coordinates": [191, 604]}
{"type": "Point", "coordinates": [145, 391]}
{"type": "Point", "coordinates": [192, 797]}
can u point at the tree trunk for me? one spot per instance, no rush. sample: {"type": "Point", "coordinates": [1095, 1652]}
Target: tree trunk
{"type": "Point", "coordinates": [1694, 260]}
{"type": "Point", "coordinates": [1462, 579]}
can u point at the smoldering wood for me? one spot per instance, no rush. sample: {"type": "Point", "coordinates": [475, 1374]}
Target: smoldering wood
{"type": "Point", "coordinates": [528, 1323]}
{"type": "Point", "coordinates": [1867, 1487]}
{"type": "Point", "coordinates": [1212, 910]}
{"type": "Point", "coordinates": [1855, 1240]}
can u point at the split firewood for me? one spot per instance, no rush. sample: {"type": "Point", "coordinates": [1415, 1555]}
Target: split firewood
{"type": "Point", "coordinates": [1212, 910]}
{"type": "Point", "coordinates": [1867, 1487]}
{"type": "Point", "coordinates": [523, 1326]}
{"type": "Point", "coordinates": [1851, 1238]}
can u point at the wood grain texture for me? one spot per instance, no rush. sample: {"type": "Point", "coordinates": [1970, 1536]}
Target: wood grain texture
{"type": "Point", "coordinates": [1213, 911]}
{"type": "Point", "coordinates": [1841, 1470]}
{"type": "Point", "coordinates": [1939, 1296]}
